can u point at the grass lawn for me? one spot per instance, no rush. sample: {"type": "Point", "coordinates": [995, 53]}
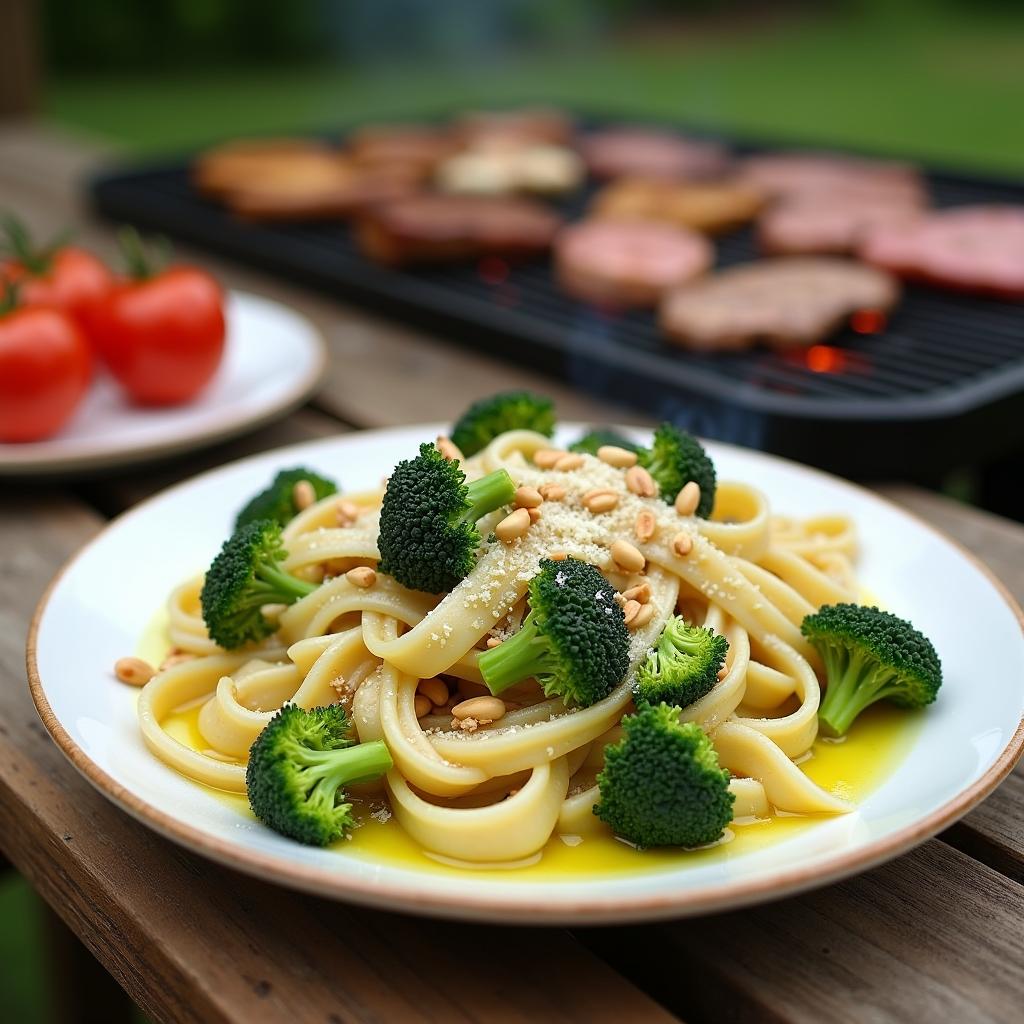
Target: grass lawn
{"type": "Point", "coordinates": [21, 975]}
{"type": "Point", "coordinates": [937, 84]}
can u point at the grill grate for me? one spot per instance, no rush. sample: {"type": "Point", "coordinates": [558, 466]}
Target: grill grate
{"type": "Point", "coordinates": [944, 364]}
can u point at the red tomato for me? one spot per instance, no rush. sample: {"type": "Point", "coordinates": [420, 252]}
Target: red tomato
{"type": "Point", "coordinates": [45, 369]}
{"type": "Point", "coordinates": [162, 337]}
{"type": "Point", "coordinates": [71, 279]}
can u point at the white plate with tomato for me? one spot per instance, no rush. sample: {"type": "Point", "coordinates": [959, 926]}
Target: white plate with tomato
{"type": "Point", "coordinates": [99, 370]}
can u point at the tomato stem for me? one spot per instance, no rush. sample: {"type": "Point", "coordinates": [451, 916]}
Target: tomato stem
{"type": "Point", "coordinates": [139, 264]}
{"type": "Point", "coordinates": [18, 242]}
{"type": "Point", "coordinates": [9, 297]}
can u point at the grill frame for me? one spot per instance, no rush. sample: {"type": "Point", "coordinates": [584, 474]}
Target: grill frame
{"type": "Point", "coordinates": [962, 400]}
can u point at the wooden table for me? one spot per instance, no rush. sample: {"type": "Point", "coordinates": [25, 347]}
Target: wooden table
{"type": "Point", "coordinates": [937, 934]}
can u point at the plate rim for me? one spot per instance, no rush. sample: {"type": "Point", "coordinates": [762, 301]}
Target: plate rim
{"type": "Point", "coordinates": [520, 908]}
{"type": "Point", "coordinates": [104, 457]}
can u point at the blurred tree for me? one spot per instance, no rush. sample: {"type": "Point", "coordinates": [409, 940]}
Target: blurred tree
{"type": "Point", "coordinates": [122, 35]}
{"type": "Point", "coordinates": [116, 35]}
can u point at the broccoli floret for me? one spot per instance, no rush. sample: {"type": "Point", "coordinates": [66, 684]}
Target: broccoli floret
{"type": "Point", "coordinates": [870, 655]}
{"type": "Point", "coordinates": [661, 784]}
{"type": "Point", "coordinates": [674, 459]}
{"type": "Point", "coordinates": [246, 575]}
{"type": "Point", "coordinates": [598, 438]}
{"type": "Point", "coordinates": [277, 502]}
{"type": "Point", "coordinates": [299, 767]}
{"type": "Point", "coordinates": [573, 641]}
{"type": "Point", "coordinates": [428, 535]}
{"type": "Point", "coordinates": [485, 419]}
{"type": "Point", "coordinates": [682, 667]}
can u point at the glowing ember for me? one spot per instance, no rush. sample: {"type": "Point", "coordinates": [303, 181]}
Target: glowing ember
{"type": "Point", "coordinates": [868, 321]}
{"type": "Point", "coordinates": [825, 359]}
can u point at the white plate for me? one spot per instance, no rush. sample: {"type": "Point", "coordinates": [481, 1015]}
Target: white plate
{"type": "Point", "coordinates": [272, 361]}
{"type": "Point", "coordinates": [968, 741]}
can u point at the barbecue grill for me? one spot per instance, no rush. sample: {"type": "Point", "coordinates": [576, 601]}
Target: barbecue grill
{"type": "Point", "coordinates": [937, 385]}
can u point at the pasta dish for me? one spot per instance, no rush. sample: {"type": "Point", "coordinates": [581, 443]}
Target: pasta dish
{"type": "Point", "coordinates": [615, 650]}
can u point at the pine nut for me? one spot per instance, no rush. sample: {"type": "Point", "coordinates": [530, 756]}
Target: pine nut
{"type": "Point", "coordinates": [423, 705]}
{"type": "Point", "coordinates": [645, 526]}
{"type": "Point", "coordinates": [558, 556]}
{"type": "Point", "coordinates": [600, 500]}
{"type": "Point", "coordinates": [483, 709]}
{"type": "Point", "coordinates": [552, 492]}
{"type": "Point", "coordinates": [547, 457]}
{"type": "Point", "coordinates": [723, 672]}
{"type": "Point", "coordinates": [133, 671]}
{"type": "Point", "coordinates": [682, 544]}
{"type": "Point", "coordinates": [643, 616]}
{"type": "Point", "coordinates": [534, 514]}
{"type": "Point", "coordinates": [303, 494]}
{"type": "Point", "coordinates": [434, 690]}
{"type": "Point", "coordinates": [448, 448]}
{"type": "Point", "coordinates": [568, 462]}
{"type": "Point", "coordinates": [272, 611]}
{"type": "Point", "coordinates": [630, 611]}
{"type": "Point", "coordinates": [688, 499]}
{"type": "Point", "coordinates": [492, 642]}
{"type": "Point", "coordinates": [627, 557]}
{"type": "Point", "coordinates": [513, 526]}
{"type": "Point", "coordinates": [528, 497]}
{"type": "Point", "coordinates": [639, 481]}
{"type": "Point", "coordinates": [641, 592]}
{"type": "Point", "coordinates": [361, 576]}
{"type": "Point", "coordinates": [620, 458]}
{"type": "Point", "coordinates": [347, 512]}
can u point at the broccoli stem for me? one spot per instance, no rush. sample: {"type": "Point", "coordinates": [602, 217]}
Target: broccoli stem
{"type": "Point", "coordinates": [336, 768]}
{"type": "Point", "coordinates": [519, 657]}
{"type": "Point", "coordinates": [283, 583]}
{"type": "Point", "coordinates": [854, 684]}
{"type": "Point", "coordinates": [487, 494]}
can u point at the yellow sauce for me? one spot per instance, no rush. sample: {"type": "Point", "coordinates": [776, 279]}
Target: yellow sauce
{"type": "Point", "coordinates": [850, 768]}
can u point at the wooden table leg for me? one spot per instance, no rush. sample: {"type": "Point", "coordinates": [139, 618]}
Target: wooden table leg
{"type": "Point", "coordinates": [81, 990]}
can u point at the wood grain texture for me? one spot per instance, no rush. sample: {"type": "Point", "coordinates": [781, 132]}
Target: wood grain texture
{"type": "Point", "coordinates": [931, 936]}
{"type": "Point", "coordinates": [112, 494]}
{"type": "Point", "coordinates": [195, 943]}
{"type": "Point", "coordinates": [85, 992]}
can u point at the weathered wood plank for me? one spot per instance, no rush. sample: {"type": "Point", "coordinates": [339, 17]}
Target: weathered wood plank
{"type": "Point", "coordinates": [931, 936]}
{"type": "Point", "coordinates": [114, 493]}
{"type": "Point", "coordinates": [192, 942]}
{"type": "Point", "coordinates": [85, 992]}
